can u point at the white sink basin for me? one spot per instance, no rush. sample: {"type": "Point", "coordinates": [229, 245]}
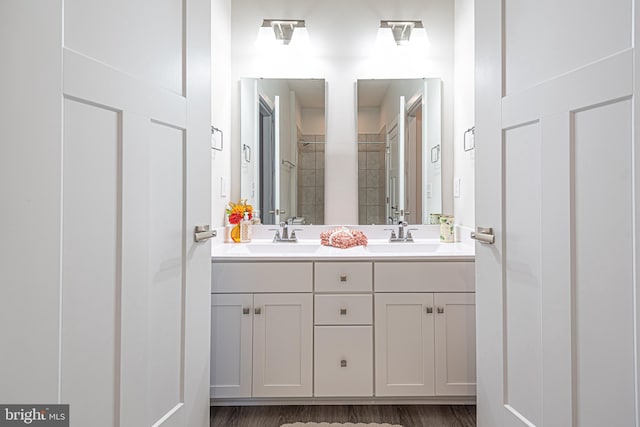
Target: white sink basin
{"type": "Point", "coordinates": [273, 248]}
{"type": "Point", "coordinates": [403, 247]}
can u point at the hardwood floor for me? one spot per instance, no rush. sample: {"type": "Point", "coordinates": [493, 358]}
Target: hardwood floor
{"type": "Point", "coordinates": [407, 416]}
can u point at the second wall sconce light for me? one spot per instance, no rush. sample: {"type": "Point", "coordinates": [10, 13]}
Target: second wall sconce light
{"type": "Point", "coordinates": [402, 32]}
{"type": "Point", "coordinates": [282, 31]}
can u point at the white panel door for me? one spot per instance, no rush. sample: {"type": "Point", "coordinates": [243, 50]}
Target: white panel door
{"type": "Point", "coordinates": [455, 343]}
{"type": "Point", "coordinates": [282, 345]}
{"type": "Point", "coordinates": [124, 167]}
{"type": "Point", "coordinates": [404, 339]}
{"type": "Point", "coordinates": [556, 316]}
{"type": "Point", "coordinates": [231, 345]}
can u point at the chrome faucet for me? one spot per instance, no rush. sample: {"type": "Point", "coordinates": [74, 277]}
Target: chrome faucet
{"type": "Point", "coordinates": [404, 234]}
{"type": "Point", "coordinates": [284, 236]}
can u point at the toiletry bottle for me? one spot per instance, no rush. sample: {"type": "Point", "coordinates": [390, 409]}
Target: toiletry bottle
{"type": "Point", "coordinates": [256, 217]}
{"type": "Point", "coordinates": [245, 229]}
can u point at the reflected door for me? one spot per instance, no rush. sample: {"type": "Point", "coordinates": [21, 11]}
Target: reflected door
{"type": "Point", "coordinates": [392, 172]}
{"type": "Point", "coordinates": [267, 174]}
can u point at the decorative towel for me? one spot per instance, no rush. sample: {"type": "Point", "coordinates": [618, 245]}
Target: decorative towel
{"type": "Point", "coordinates": [343, 238]}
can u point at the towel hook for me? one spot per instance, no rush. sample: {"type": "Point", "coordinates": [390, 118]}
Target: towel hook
{"type": "Point", "coordinates": [213, 132]}
{"type": "Point", "coordinates": [470, 140]}
{"type": "Point", "coordinates": [247, 153]}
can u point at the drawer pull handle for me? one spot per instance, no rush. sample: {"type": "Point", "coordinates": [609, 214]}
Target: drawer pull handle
{"type": "Point", "coordinates": [343, 363]}
{"type": "Point", "coordinates": [258, 310]}
{"type": "Point", "coordinates": [343, 312]}
{"type": "Point", "coordinates": [246, 310]}
{"type": "Point", "coordinates": [343, 278]}
{"type": "Point", "coordinates": [440, 310]}
{"type": "Point", "coordinates": [429, 310]}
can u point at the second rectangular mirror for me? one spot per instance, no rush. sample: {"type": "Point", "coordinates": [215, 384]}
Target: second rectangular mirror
{"type": "Point", "coordinates": [282, 133]}
{"type": "Point", "coordinates": [399, 150]}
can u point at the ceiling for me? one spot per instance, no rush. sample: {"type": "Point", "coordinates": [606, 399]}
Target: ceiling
{"type": "Point", "coordinates": [310, 92]}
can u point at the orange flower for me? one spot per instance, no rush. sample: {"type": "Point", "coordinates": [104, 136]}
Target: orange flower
{"type": "Point", "coordinates": [236, 211]}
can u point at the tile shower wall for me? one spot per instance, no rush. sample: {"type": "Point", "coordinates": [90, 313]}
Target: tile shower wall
{"type": "Point", "coordinates": [311, 178]}
{"type": "Point", "coordinates": [371, 178]}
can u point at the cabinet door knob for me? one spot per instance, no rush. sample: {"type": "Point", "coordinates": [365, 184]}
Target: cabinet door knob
{"type": "Point", "coordinates": [440, 310]}
{"type": "Point", "coordinates": [429, 310]}
{"type": "Point", "coordinates": [343, 363]}
{"type": "Point", "coordinates": [343, 277]}
{"type": "Point", "coordinates": [246, 310]}
{"type": "Point", "coordinates": [343, 312]}
{"type": "Point", "coordinates": [258, 310]}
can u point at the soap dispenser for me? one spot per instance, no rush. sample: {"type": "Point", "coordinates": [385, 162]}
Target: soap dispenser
{"type": "Point", "coordinates": [245, 229]}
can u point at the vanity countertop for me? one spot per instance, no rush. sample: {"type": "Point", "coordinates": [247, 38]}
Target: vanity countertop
{"type": "Point", "coordinates": [377, 250]}
{"type": "Point", "coordinates": [426, 246]}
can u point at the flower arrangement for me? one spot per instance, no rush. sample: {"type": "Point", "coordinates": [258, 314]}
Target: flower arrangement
{"type": "Point", "coordinates": [235, 211]}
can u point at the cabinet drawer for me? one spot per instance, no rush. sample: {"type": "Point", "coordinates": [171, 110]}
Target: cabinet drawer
{"type": "Point", "coordinates": [453, 276]}
{"type": "Point", "coordinates": [259, 277]}
{"type": "Point", "coordinates": [343, 309]}
{"type": "Point", "coordinates": [343, 361]}
{"type": "Point", "coordinates": [343, 276]}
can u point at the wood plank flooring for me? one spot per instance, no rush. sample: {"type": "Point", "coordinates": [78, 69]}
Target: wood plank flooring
{"type": "Point", "coordinates": [405, 415]}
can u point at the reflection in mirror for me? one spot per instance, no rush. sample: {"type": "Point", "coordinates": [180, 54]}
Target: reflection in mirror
{"type": "Point", "coordinates": [282, 134]}
{"type": "Point", "coordinates": [399, 163]}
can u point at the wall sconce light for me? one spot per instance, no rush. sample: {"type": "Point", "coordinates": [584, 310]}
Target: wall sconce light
{"type": "Point", "coordinates": [282, 31]}
{"type": "Point", "coordinates": [402, 32]}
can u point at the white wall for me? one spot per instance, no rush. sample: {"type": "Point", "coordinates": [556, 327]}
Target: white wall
{"type": "Point", "coordinates": [220, 113]}
{"type": "Point", "coordinates": [342, 51]}
{"type": "Point", "coordinates": [464, 116]}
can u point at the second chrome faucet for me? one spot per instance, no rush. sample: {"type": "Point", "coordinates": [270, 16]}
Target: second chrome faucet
{"type": "Point", "coordinates": [404, 234]}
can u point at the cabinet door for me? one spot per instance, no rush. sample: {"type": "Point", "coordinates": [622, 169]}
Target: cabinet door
{"type": "Point", "coordinates": [282, 351]}
{"type": "Point", "coordinates": [404, 344]}
{"type": "Point", "coordinates": [455, 338]}
{"type": "Point", "coordinates": [231, 335]}
{"type": "Point", "coordinates": [343, 361]}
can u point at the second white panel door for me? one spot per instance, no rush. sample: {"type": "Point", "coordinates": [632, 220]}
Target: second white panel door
{"type": "Point", "coordinates": [282, 352]}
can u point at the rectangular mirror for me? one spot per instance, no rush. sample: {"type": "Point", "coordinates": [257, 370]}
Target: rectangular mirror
{"type": "Point", "coordinates": [282, 136]}
{"type": "Point", "coordinates": [399, 150]}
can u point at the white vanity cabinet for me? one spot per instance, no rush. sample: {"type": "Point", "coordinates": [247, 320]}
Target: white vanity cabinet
{"type": "Point", "coordinates": [361, 330]}
{"type": "Point", "coordinates": [424, 328]}
{"type": "Point", "coordinates": [261, 334]}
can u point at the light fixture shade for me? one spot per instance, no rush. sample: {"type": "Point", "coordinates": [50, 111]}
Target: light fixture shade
{"type": "Point", "coordinates": [300, 38]}
{"type": "Point", "coordinates": [266, 37]}
{"type": "Point", "coordinates": [419, 37]}
{"type": "Point", "coordinates": [385, 40]}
